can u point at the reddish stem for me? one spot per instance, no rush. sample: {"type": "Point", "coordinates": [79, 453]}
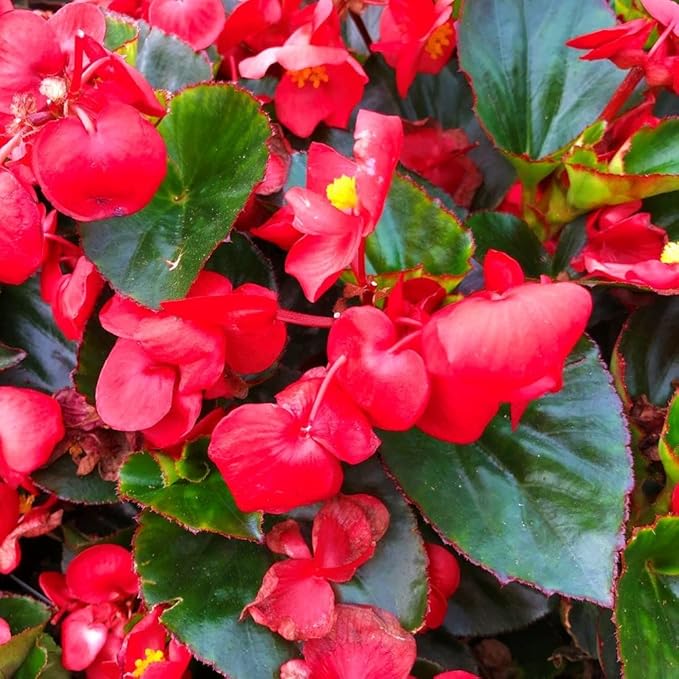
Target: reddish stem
{"type": "Point", "coordinates": [324, 388]}
{"type": "Point", "coordinates": [63, 242]}
{"type": "Point", "coordinates": [410, 322]}
{"type": "Point", "coordinates": [307, 320]}
{"type": "Point", "coordinates": [76, 80]}
{"type": "Point", "coordinates": [622, 94]}
{"type": "Point", "coordinates": [360, 26]}
{"type": "Point", "coordinates": [85, 120]}
{"type": "Point", "coordinates": [404, 342]}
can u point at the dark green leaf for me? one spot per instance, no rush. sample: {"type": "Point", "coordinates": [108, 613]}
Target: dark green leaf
{"type": "Point", "coordinates": [167, 62]}
{"type": "Point", "coordinates": [502, 231]}
{"type": "Point", "coordinates": [26, 322]}
{"type": "Point", "coordinates": [417, 230]}
{"type": "Point", "coordinates": [544, 504]}
{"type": "Point", "coordinates": [216, 141]}
{"type": "Point", "coordinates": [241, 261]}
{"type": "Point", "coordinates": [483, 607]}
{"type": "Point", "coordinates": [668, 446]}
{"type": "Point", "coordinates": [60, 478]}
{"type": "Point", "coordinates": [533, 93]}
{"type": "Point", "coordinates": [396, 577]}
{"type": "Point", "coordinates": [209, 580]}
{"type": "Point", "coordinates": [647, 609]}
{"type": "Point", "coordinates": [439, 647]}
{"type": "Point", "coordinates": [203, 505]}
{"type": "Point", "coordinates": [93, 351]}
{"type": "Point", "coordinates": [43, 661]}
{"type": "Point", "coordinates": [664, 211]}
{"type": "Point", "coordinates": [571, 240]}
{"type": "Point", "coordinates": [646, 357]}
{"type": "Point", "coordinates": [10, 356]}
{"type": "Point", "coordinates": [26, 618]}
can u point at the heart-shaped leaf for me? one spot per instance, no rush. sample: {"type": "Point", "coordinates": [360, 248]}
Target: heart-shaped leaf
{"type": "Point", "coordinates": [533, 93]}
{"type": "Point", "coordinates": [395, 578]}
{"type": "Point", "coordinates": [544, 504]}
{"type": "Point", "coordinates": [216, 142]}
{"type": "Point", "coordinates": [205, 504]}
{"type": "Point", "coordinates": [647, 609]}
{"type": "Point", "coordinates": [208, 580]}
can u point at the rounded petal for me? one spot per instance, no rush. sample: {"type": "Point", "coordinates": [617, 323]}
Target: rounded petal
{"type": "Point", "coordinates": [111, 170]}
{"type": "Point", "coordinates": [286, 538]}
{"type": "Point", "coordinates": [268, 463]}
{"type": "Point", "coordinates": [133, 391]}
{"type": "Point", "coordinates": [293, 602]}
{"type": "Point", "coordinates": [82, 638]}
{"type": "Point", "coordinates": [74, 17]}
{"type": "Point", "coordinates": [5, 632]}
{"type": "Point", "coordinates": [31, 425]}
{"type": "Point", "coordinates": [444, 579]}
{"type": "Point", "coordinates": [102, 573]}
{"type": "Point", "coordinates": [20, 231]}
{"type": "Point", "coordinates": [178, 422]}
{"type": "Point", "coordinates": [364, 643]}
{"type": "Point", "coordinates": [198, 22]}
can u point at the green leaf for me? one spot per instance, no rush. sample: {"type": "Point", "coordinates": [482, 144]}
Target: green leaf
{"type": "Point", "coordinates": [591, 628]}
{"type": "Point", "coordinates": [61, 479]}
{"type": "Point", "coordinates": [26, 618]}
{"type": "Point", "coordinates": [205, 504]}
{"type": "Point", "coordinates": [208, 580]}
{"type": "Point", "coordinates": [43, 661]}
{"type": "Point", "coordinates": [167, 62]}
{"type": "Point", "coordinates": [664, 211]}
{"type": "Point", "coordinates": [27, 322]}
{"type": "Point", "coordinates": [119, 31]}
{"type": "Point", "coordinates": [647, 609]}
{"type": "Point", "coordinates": [417, 230]}
{"type": "Point", "coordinates": [650, 168]}
{"type": "Point", "coordinates": [216, 141]}
{"type": "Point", "coordinates": [93, 351]}
{"type": "Point", "coordinates": [544, 504]}
{"type": "Point", "coordinates": [502, 231]}
{"type": "Point", "coordinates": [571, 240]}
{"type": "Point", "coordinates": [668, 445]}
{"type": "Point", "coordinates": [10, 356]}
{"type": "Point", "coordinates": [241, 261]}
{"type": "Point", "coordinates": [395, 579]}
{"type": "Point", "coordinates": [646, 355]}
{"type": "Point", "coordinates": [533, 93]}
{"type": "Point", "coordinates": [482, 606]}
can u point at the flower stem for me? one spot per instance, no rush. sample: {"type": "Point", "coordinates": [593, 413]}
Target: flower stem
{"type": "Point", "coordinates": [307, 320]}
{"type": "Point", "coordinates": [360, 27]}
{"type": "Point", "coordinates": [404, 342]}
{"type": "Point", "coordinates": [324, 387]}
{"type": "Point", "coordinates": [622, 94]}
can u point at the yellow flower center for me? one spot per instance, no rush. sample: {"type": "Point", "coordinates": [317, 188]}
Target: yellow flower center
{"type": "Point", "coordinates": [150, 656]}
{"type": "Point", "coordinates": [25, 503]}
{"type": "Point", "coordinates": [670, 253]}
{"type": "Point", "coordinates": [314, 75]}
{"type": "Point", "coordinates": [342, 193]}
{"type": "Point", "coordinates": [438, 41]}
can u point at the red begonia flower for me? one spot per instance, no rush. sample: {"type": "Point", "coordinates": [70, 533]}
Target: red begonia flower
{"type": "Point", "coordinates": [279, 229]}
{"type": "Point", "coordinates": [20, 230]}
{"type": "Point", "coordinates": [674, 507]}
{"type": "Point", "coordinates": [457, 674]}
{"type": "Point", "coordinates": [24, 446]}
{"type": "Point", "coordinates": [116, 160]}
{"type": "Point", "coordinates": [439, 156]}
{"type": "Point", "coordinates": [622, 245]}
{"type": "Point", "coordinates": [664, 12]}
{"type": "Point", "coordinates": [22, 520]}
{"type": "Point", "coordinates": [505, 344]}
{"type": "Point", "coordinates": [444, 579]}
{"type": "Point", "coordinates": [622, 44]}
{"type": "Point", "coordinates": [364, 643]}
{"type": "Point", "coordinates": [322, 81]}
{"type": "Point", "coordinates": [5, 631]}
{"type": "Point", "coordinates": [150, 651]}
{"type": "Point", "coordinates": [416, 36]}
{"type": "Point", "coordinates": [414, 299]}
{"type": "Point", "coordinates": [198, 22]}
{"type": "Point", "coordinates": [276, 457]}
{"type": "Point", "coordinates": [342, 202]}
{"type": "Point", "coordinates": [385, 377]}
{"type": "Point", "coordinates": [296, 599]}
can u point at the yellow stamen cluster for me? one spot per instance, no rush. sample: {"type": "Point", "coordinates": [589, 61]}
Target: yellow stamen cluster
{"type": "Point", "coordinates": [342, 193]}
{"type": "Point", "coordinates": [670, 253]}
{"type": "Point", "coordinates": [150, 656]}
{"type": "Point", "coordinates": [314, 75]}
{"type": "Point", "coordinates": [438, 41]}
{"type": "Point", "coordinates": [25, 503]}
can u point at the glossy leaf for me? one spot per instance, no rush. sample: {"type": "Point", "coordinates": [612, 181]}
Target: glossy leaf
{"type": "Point", "coordinates": [26, 322]}
{"type": "Point", "coordinates": [26, 618]}
{"type": "Point", "coordinates": [395, 578]}
{"type": "Point", "coordinates": [203, 505]}
{"type": "Point", "coordinates": [533, 93]}
{"type": "Point", "coordinates": [482, 606]}
{"type": "Point", "coordinates": [61, 479]}
{"type": "Point", "coordinates": [646, 356]}
{"type": "Point", "coordinates": [10, 356]}
{"type": "Point", "coordinates": [544, 504]}
{"type": "Point", "coordinates": [668, 445]}
{"type": "Point", "coordinates": [664, 211]}
{"type": "Point", "coordinates": [43, 661]}
{"type": "Point", "coordinates": [417, 230]}
{"type": "Point", "coordinates": [501, 231]}
{"type": "Point", "coordinates": [167, 62]}
{"type": "Point", "coordinates": [156, 254]}
{"type": "Point", "coordinates": [209, 579]}
{"type": "Point", "coordinates": [647, 609]}
{"type": "Point", "coordinates": [119, 31]}
{"type": "Point", "coordinates": [241, 261]}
